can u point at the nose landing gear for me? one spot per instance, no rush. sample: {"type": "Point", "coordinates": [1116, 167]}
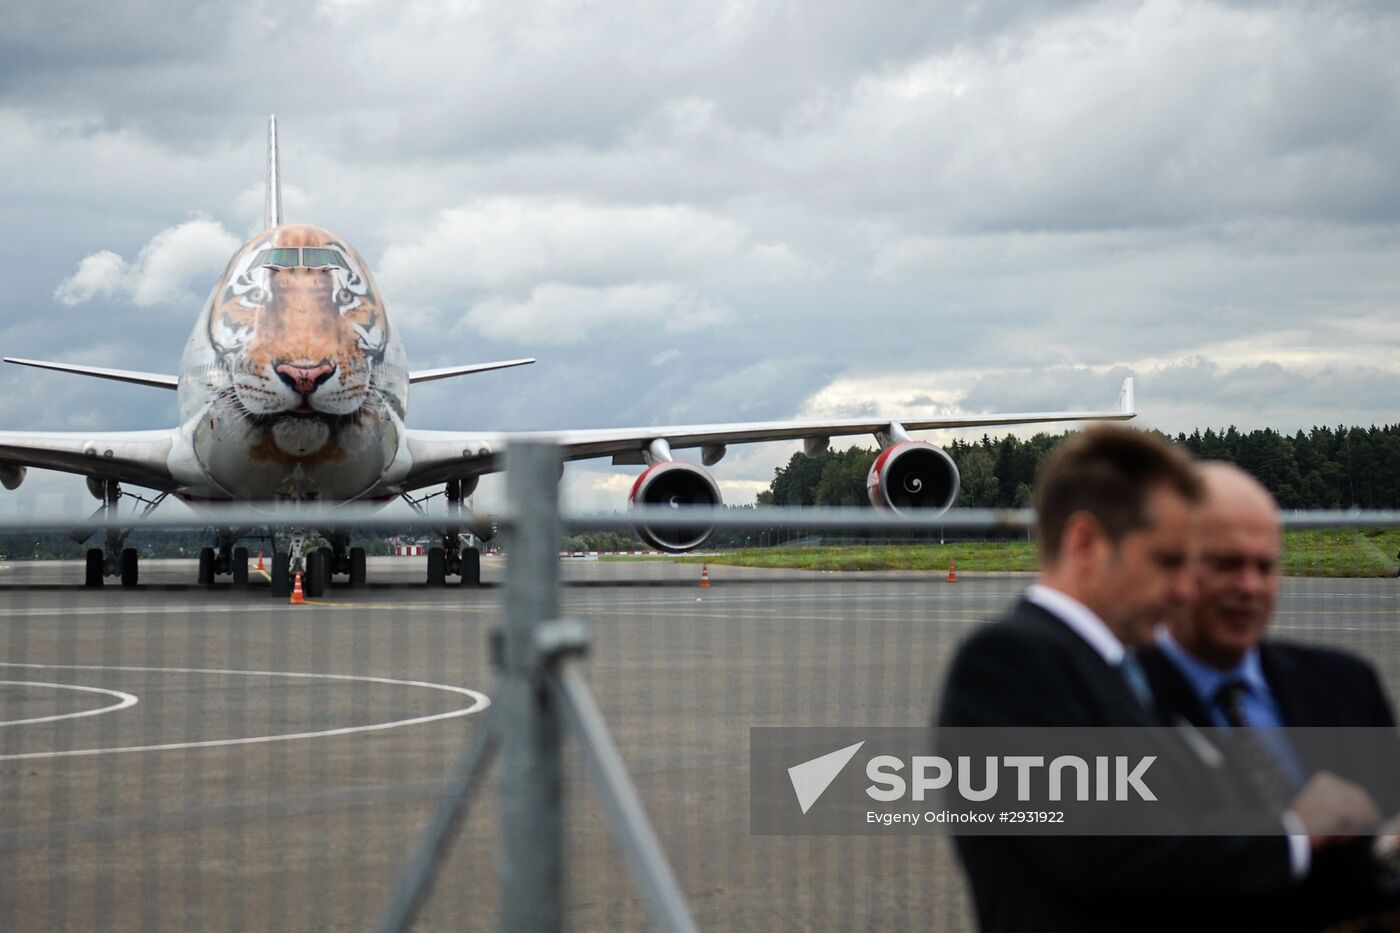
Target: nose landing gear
{"type": "Point", "coordinates": [317, 566]}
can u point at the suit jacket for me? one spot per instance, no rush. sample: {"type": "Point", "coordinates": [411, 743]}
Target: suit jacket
{"type": "Point", "coordinates": [1030, 669]}
{"type": "Point", "coordinates": [1316, 689]}
{"type": "Point", "coordinates": [1313, 686]}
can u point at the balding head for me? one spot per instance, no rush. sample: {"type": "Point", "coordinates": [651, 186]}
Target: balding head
{"type": "Point", "coordinates": [1237, 568]}
{"type": "Point", "coordinates": [1232, 493]}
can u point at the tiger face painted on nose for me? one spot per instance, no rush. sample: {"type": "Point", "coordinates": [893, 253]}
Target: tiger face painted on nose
{"type": "Point", "coordinates": [298, 326]}
{"type": "Point", "coordinates": [299, 347]}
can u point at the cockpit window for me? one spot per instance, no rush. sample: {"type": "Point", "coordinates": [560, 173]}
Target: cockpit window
{"type": "Point", "coordinates": [283, 258]}
{"type": "Point", "coordinates": [291, 257]}
{"type": "Point", "coordinates": [321, 258]}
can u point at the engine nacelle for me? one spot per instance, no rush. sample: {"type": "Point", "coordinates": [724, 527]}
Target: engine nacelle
{"type": "Point", "coordinates": [676, 484]}
{"type": "Point", "coordinates": [913, 476]}
{"type": "Point", "coordinates": [12, 474]}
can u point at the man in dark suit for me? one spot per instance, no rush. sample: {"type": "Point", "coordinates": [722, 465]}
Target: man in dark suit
{"type": "Point", "coordinates": [1211, 668]}
{"type": "Point", "coordinates": [1116, 523]}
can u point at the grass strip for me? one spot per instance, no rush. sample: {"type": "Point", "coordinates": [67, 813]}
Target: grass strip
{"type": "Point", "coordinates": [1342, 552]}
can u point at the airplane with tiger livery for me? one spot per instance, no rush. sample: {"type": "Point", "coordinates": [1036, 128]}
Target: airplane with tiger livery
{"type": "Point", "coordinates": [294, 387]}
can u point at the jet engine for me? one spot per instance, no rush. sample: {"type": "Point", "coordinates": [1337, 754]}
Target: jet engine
{"type": "Point", "coordinates": [11, 475]}
{"type": "Point", "coordinates": [913, 476]}
{"type": "Point", "coordinates": [677, 484]}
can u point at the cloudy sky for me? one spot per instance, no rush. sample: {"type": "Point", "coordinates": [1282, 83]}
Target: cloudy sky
{"type": "Point", "coordinates": [729, 211]}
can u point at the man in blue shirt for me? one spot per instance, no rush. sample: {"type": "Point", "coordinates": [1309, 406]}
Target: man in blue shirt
{"type": "Point", "coordinates": [1211, 666]}
{"type": "Point", "coordinates": [1116, 516]}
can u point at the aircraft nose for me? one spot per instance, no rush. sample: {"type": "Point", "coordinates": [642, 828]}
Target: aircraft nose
{"type": "Point", "coordinates": [305, 379]}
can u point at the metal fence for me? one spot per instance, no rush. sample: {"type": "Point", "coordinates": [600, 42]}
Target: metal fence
{"type": "Point", "coordinates": [180, 757]}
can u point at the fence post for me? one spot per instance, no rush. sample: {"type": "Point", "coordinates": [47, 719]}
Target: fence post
{"type": "Point", "coordinates": [529, 879]}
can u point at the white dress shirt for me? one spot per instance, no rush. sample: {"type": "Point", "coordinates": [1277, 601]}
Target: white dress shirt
{"type": "Point", "coordinates": [1086, 623]}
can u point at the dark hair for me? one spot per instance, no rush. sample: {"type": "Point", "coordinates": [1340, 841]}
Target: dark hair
{"type": "Point", "coordinates": [1108, 471]}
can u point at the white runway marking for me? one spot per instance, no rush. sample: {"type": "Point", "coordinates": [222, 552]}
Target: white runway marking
{"type": "Point", "coordinates": [479, 702]}
{"type": "Point", "coordinates": [167, 610]}
{"type": "Point", "coordinates": [123, 701]}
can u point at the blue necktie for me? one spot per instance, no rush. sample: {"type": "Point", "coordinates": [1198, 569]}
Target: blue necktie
{"type": "Point", "coordinates": [1137, 682]}
{"type": "Point", "coordinates": [1261, 764]}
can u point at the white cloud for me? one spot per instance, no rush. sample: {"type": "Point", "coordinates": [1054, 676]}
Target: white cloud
{"type": "Point", "coordinates": [568, 314]}
{"type": "Point", "coordinates": [1173, 394]}
{"type": "Point", "coordinates": [889, 394]}
{"type": "Point", "coordinates": [173, 260]}
{"type": "Point", "coordinates": [1118, 115]}
{"type": "Point", "coordinates": [103, 273]}
{"type": "Point", "coordinates": [510, 242]}
{"type": "Point", "coordinates": [1194, 392]}
{"type": "Point", "coordinates": [851, 206]}
{"type": "Point", "coordinates": [742, 491]}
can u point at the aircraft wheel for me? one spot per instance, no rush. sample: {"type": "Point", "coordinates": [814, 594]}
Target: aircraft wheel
{"type": "Point", "coordinates": [318, 568]}
{"type": "Point", "coordinates": [93, 575]}
{"type": "Point", "coordinates": [240, 566]}
{"type": "Point", "coordinates": [206, 566]}
{"type": "Point", "coordinates": [129, 562]}
{"type": "Point", "coordinates": [471, 567]}
{"type": "Point", "coordinates": [358, 574]}
{"type": "Point", "coordinates": [281, 573]}
{"type": "Point", "coordinates": [437, 566]}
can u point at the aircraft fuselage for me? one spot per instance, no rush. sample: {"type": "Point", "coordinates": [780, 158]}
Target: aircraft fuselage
{"type": "Point", "coordinates": [293, 384]}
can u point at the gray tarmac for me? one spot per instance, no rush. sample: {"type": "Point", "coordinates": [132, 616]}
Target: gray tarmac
{"type": "Point", "coordinates": [279, 762]}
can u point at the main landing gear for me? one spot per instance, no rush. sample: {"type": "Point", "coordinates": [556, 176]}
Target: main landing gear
{"type": "Point", "coordinates": [456, 560]}
{"type": "Point", "coordinates": [114, 559]}
{"type": "Point", "coordinates": [224, 559]}
{"type": "Point", "coordinates": [342, 559]}
{"type": "Point", "coordinates": [452, 558]}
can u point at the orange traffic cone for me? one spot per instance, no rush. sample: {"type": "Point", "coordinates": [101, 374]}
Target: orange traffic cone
{"type": "Point", "coordinates": [298, 597]}
{"type": "Point", "coordinates": [704, 576]}
{"type": "Point", "coordinates": [260, 563]}
{"type": "Point", "coordinates": [952, 572]}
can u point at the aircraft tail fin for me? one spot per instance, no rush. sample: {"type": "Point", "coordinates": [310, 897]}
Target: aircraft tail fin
{"type": "Point", "coordinates": [272, 214]}
{"type": "Point", "coordinates": [1127, 404]}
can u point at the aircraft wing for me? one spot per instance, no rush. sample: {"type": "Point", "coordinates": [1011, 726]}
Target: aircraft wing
{"type": "Point", "coordinates": [156, 380]}
{"type": "Point", "coordinates": [442, 455]}
{"type": "Point", "coordinates": [428, 375]}
{"type": "Point", "coordinates": [137, 457]}
{"type": "Point", "coordinates": [162, 381]}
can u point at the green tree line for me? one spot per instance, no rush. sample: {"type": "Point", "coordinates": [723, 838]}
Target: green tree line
{"type": "Point", "coordinates": [1324, 468]}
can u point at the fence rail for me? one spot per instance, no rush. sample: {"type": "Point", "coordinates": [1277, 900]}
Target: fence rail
{"type": "Point", "coordinates": [834, 518]}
